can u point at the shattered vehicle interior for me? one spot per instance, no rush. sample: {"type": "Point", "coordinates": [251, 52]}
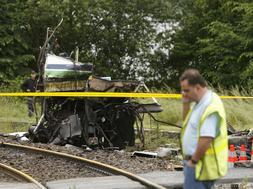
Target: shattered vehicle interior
{"type": "Point", "coordinates": [91, 121]}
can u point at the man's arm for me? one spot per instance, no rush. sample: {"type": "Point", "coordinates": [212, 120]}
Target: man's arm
{"type": "Point", "coordinates": [208, 132]}
{"type": "Point", "coordinates": [203, 145]}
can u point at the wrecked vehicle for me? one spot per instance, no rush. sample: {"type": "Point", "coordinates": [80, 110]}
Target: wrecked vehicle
{"type": "Point", "coordinates": [104, 122]}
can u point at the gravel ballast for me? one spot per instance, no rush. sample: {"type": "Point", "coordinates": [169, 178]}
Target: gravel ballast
{"type": "Point", "coordinates": [47, 168]}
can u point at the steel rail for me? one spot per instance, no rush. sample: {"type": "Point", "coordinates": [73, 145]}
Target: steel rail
{"type": "Point", "coordinates": [19, 175]}
{"type": "Point", "coordinates": [108, 168]}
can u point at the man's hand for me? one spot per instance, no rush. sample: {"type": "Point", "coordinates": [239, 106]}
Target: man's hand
{"type": "Point", "coordinates": [190, 164]}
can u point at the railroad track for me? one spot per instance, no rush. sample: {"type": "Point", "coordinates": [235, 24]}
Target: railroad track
{"type": "Point", "coordinates": [102, 168]}
{"type": "Point", "coordinates": [19, 175]}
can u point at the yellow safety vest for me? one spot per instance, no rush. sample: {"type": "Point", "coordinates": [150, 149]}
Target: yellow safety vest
{"type": "Point", "coordinates": [213, 164]}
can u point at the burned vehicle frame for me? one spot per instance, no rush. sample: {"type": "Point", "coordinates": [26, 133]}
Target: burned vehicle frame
{"type": "Point", "coordinates": [104, 122]}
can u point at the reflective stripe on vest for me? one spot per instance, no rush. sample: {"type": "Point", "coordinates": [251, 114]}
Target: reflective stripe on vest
{"type": "Point", "coordinates": [218, 148]}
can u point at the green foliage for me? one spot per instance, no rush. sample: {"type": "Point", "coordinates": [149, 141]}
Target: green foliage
{"type": "Point", "coordinates": [215, 36]}
{"type": "Point", "coordinates": [117, 36]}
{"type": "Point", "coordinates": [150, 40]}
{"type": "Point", "coordinates": [14, 49]}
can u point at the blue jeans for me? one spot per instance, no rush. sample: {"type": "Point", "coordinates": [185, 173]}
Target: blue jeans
{"type": "Point", "coordinates": [191, 183]}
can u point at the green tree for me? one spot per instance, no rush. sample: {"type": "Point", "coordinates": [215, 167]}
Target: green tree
{"type": "Point", "coordinates": [14, 48]}
{"type": "Point", "coordinates": [119, 37]}
{"type": "Point", "coordinates": [215, 36]}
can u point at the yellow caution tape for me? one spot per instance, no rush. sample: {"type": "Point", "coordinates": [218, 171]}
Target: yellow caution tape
{"type": "Point", "coordinates": [236, 97]}
{"type": "Point", "coordinates": [94, 94]}
{"type": "Point", "coordinates": [106, 94]}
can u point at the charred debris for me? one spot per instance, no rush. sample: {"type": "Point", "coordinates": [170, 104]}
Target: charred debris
{"type": "Point", "coordinates": [106, 122]}
{"type": "Point", "coordinates": [103, 122]}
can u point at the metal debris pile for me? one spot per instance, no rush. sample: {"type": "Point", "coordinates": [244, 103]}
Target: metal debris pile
{"type": "Point", "coordinates": [104, 122]}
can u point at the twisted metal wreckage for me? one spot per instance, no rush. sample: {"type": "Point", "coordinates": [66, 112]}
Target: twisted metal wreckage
{"type": "Point", "coordinates": [106, 122]}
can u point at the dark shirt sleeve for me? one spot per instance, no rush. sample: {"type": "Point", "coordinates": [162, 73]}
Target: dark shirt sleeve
{"type": "Point", "coordinates": [29, 85]}
{"type": "Point", "coordinates": [24, 86]}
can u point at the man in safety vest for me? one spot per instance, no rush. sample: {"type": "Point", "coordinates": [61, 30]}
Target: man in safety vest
{"type": "Point", "coordinates": [204, 141]}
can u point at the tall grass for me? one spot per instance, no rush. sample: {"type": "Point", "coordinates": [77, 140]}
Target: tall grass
{"type": "Point", "coordinates": [239, 111]}
{"type": "Point", "coordinates": [239, 114]}
{"type": "Point", "coordinates": [14, 114]}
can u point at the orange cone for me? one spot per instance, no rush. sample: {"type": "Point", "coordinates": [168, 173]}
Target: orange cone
{"type": "Point", "coordinates": [231, 156]}
{"type": "Point", "coordinates": [243, 156]}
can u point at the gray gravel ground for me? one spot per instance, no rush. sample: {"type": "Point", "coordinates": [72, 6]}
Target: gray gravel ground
{"type": "Point", "coordinates": [6, 178]}
{"type": "Point", "coordinates": [50, 168]}
{"type": "Point", "coordinates": [44, 168]}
